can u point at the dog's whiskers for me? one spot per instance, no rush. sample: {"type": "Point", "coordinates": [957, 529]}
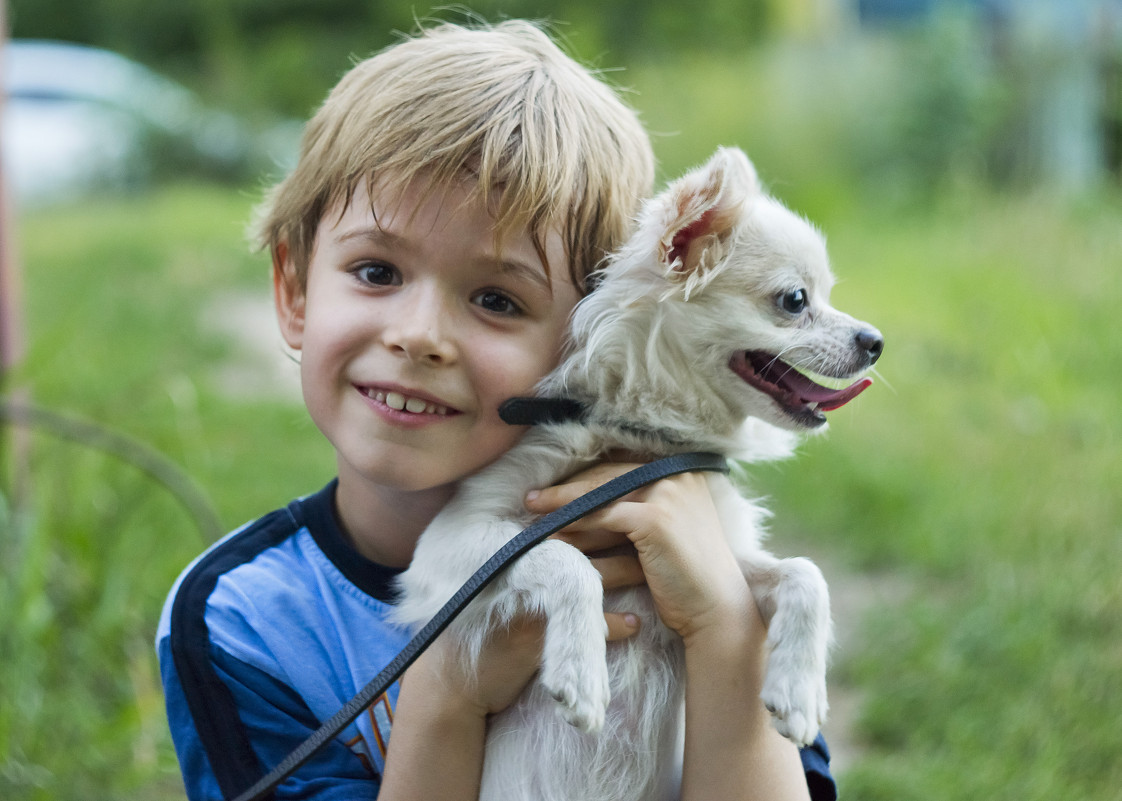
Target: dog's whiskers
{"type": "Point", "coordinates": [826, 363]}
{"type": "Point", "coordinates": [874, 371]}
{"type": "Point", "coordinates": [798, 365]}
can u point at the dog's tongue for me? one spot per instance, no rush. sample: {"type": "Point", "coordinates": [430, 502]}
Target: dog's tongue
{"type": "Point", "coordinates": [797, 388]}
{"type": "Point", "coordinates": [811, 392]}
{"type": "Point", "coordinates": [793, 390]}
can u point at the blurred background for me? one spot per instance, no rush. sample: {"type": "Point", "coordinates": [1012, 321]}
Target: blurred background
{"type": "Point", "coordinates": [963, 157]}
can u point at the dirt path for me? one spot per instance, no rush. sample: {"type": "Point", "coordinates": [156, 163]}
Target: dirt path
{"type": "Point", "coordinates": [260, 364]}
{"type": "Point", "coordinates": [854, 600]}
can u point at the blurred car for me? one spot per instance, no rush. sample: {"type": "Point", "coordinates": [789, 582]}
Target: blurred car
{"type": "Point", "coordinates": [78, 119]}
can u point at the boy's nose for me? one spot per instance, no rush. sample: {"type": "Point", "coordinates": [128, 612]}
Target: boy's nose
{"type": "Point", "coordinates": [420, 331]}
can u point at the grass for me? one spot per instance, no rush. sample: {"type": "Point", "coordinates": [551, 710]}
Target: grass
{"type": "Point", "coordinates": [115, 294]}
{"type": "Point", "coordinates": [986, 474]}
{"type": "Point", "coordinates": [982, 470]}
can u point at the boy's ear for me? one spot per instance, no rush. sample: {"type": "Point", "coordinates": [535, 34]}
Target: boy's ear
{"type": "Point", "coordinates": [289, 297]}
{"type": "Point", "coordinates": [704, 207]}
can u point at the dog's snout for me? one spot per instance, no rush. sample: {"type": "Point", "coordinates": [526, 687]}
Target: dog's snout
{"type": "Point", "coordinates": [871, 341]}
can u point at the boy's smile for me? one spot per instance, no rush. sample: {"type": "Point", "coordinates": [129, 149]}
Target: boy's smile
{"type": "Point", "coordinates": [409, 405]}
{"type": "Point", "coordinates": [413, 329]}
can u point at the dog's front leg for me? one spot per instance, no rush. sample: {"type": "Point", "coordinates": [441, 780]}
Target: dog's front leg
{"type": "Point", "coordinates": [794, 602]}
{"type": "Point", "coordinates": [557, 581]}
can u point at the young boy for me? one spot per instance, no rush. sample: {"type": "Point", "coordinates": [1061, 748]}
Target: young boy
{"type": "Point", "coordinates": [451, 196]}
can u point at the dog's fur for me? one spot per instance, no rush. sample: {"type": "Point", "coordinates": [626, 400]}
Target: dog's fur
{"type": "Point", "coordinates": [677, 349]}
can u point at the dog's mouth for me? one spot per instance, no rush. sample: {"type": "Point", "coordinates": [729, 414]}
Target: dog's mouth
{"type": "Point", "coordinates": [799, 396]}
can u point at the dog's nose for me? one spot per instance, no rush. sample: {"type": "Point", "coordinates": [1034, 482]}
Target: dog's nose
{"type": "Point", "coordinates": [871, 341]}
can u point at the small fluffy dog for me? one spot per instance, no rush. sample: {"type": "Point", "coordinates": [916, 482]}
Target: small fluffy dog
{"type": "Point", "coordinates": [709, 330]}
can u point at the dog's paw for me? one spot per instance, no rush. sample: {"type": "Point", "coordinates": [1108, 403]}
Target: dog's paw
{"type": "Point", "coordinates": [581, 692]}
{"type": "Point", "coordinates": [797, 703]}
{"type": "Point", "coordinates": [796, 727]}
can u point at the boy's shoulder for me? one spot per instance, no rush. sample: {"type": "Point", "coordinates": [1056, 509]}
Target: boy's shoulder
{"type": "Point", "coordinates": [289, 571]}
{"type": "Point", "coordinates": [269, 631]}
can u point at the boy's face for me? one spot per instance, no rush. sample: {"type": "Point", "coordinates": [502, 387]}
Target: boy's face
{"type": "Point", "coordinates": [413, 330]}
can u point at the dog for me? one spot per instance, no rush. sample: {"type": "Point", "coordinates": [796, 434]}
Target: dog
{"type": "Point", "coordinates": [710, 329]}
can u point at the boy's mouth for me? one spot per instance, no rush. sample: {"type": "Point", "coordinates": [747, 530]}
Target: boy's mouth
{"type": "Point", "coordinates": [401, 402]}
{"type": "Point", "coordinates": [796, 393]}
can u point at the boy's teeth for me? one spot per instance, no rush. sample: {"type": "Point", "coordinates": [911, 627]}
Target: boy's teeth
{"type": "Point", "coordinates": [398, 402]}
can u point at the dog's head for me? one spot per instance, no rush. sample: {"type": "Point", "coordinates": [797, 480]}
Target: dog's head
{"type": "Point", "coordinates": [717, 309]}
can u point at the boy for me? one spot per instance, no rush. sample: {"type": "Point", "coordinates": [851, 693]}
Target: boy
{"type": "Point", "coordinates": [451, 197]}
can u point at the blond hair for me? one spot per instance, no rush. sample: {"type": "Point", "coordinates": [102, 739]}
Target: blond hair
{"type": "Point", "coordinates": [550, 145]}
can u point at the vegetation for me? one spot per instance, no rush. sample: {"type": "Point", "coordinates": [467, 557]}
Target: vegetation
{"type": "Point", "coordinates": [981, 472]}
{"type": "Point", "coordinates": [279, 57]}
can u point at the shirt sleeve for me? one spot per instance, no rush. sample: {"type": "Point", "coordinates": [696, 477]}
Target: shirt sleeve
{"type": "Point", "coordinates": [273, 720]}
{"type": "Point", "coordinates": [816, 765]}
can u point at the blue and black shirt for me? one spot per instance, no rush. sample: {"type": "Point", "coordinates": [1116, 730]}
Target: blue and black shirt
{"type": "Point", "coordinates": [268, 634]}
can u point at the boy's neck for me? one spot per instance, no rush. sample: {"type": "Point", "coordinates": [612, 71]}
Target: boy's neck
{"type": "Point", "coordinates": [384, 524]}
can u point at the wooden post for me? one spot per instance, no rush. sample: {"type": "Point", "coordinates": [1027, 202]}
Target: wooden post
{"type": "Point", "coordinates": [14, 440]}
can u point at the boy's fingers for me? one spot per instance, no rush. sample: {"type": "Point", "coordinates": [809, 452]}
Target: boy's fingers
{"type": "Point", "coordinates": [616, 520]}
{"type": "Point", "coordinates": [549, 498]}
{"type": "Point", "coordinates": [619, 571]}
{"type": "Point", "coordinates": [591, 541]}
{"type": "Point", "coordinates": [621, 625]}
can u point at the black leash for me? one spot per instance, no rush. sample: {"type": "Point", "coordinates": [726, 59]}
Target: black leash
{"type": "Point", "coordinates": [518, 545]}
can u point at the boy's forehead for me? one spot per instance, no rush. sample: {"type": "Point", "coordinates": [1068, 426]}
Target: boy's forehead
{"type": "Point", "coordinates": [407, 214]}
{"type": "Point", "coordinates": [394, 205]}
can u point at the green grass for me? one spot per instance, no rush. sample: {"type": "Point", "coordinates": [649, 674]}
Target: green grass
{"type": "Point", "coordinates": [115, 295]}
{"type": "Point", "coordinates": [982, 470]}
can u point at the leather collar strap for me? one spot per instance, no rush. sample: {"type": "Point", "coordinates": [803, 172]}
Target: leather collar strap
{"type": "Point", "coordinates": [518, 545]}
{"type": "Point", "coordinates": [536, 411]}
{"type": "Point", "coordinates": [550, 411]}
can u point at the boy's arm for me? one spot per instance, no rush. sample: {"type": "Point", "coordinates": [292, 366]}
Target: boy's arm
{"type": "Point", "coordinates": [438, 735]}
{"type": "Point", "coordinates": [731, 750]}
{"type": "Point", "coordinates": [437, 748]}
{"type": "Point", "coordinates": [439, 729]}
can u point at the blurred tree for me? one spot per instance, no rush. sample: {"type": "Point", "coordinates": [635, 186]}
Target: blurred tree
{"type": "Point", "coordinates": [282, 55]}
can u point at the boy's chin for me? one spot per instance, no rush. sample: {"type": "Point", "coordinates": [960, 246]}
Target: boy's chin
{"type": "Point", "coordinates": [416, 473]}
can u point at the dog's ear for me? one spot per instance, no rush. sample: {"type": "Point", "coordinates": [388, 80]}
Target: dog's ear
{"type": "Point", "coordinates": [702, 210]}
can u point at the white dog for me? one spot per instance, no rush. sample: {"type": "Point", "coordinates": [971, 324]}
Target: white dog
{"type": "Point", "coordinates": [703, 334]}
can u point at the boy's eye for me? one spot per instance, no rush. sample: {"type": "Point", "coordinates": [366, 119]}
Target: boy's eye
{"type": "Point", "coordinates": [497, 302]}
{"type": "Point", "coordinates": [377, 273]}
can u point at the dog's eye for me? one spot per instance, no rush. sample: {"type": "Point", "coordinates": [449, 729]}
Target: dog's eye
{"type": "Point", "coordinates": [794, 302]}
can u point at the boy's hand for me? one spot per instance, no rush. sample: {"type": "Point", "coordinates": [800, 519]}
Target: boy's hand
{"type": "Point", "coordinates": [512, 656]}
{"type": "Point", "coordinates": [508, 661]}
{"type": "Point", "coordinates": [614, 557]}
{"type": "Point", "coordinates": [679, 546]}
